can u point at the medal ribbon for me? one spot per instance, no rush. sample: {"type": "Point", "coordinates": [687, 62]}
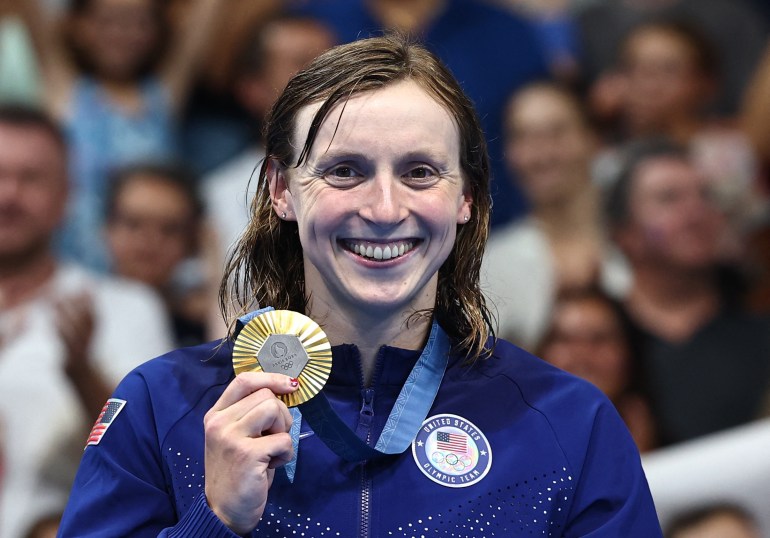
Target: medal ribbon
{"type": "Point", "coordinates": [408, 413]}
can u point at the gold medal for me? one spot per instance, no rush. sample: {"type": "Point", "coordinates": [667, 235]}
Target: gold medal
{"type": "Point", "coordinates": [285, 342]}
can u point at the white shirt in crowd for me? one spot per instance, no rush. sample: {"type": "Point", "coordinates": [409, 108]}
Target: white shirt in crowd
{"type": "Point", "coordinates": [518, 278]}
{"type": "Point", "coordinates": [43, 427]}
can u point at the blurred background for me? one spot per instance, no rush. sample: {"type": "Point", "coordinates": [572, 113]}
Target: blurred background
{"type": "Point", "coordinates": [630, 241]}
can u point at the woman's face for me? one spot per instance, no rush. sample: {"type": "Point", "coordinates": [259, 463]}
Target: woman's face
{"type": "Point", "coordinates": [377, 201]}
{"type": "Point", "coordinates": [663, 80]}
{"type": "Point", "coordinates": [548, 145]}
{"type": "Point", "coordinates": [587, 341]}
{"type": "Point", "coordinates": [118, 35]}
{"type": "Point", "coordinates": [150, 231]}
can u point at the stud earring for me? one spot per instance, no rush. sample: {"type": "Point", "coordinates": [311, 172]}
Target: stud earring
{"type": "Point", "coordinates": [466, 218]}
{"type": "Point", "coordinates": [283, 215]}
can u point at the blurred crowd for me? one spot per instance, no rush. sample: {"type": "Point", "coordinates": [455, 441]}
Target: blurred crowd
{"type": "Point", "coordinates": [630, 241]}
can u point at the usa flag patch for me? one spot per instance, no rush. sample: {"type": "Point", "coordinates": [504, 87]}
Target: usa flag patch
{"type": "Point", "coordinates": [110, 410]}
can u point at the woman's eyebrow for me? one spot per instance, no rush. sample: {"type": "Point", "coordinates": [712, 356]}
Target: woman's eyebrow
{"type": "Point", "coordinates": [346, 154]}
{"type": "Point", "coordinates": [330, 157]}
{"type": "Point", "coordinates": [428, 155]}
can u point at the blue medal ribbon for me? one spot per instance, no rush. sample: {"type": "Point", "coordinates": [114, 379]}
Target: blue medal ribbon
{"type": "Point", "coordinates": [408, 413]}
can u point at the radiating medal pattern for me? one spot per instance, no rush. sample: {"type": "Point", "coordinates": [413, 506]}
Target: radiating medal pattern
{"type": "Point", "coordinates": [286, 342]}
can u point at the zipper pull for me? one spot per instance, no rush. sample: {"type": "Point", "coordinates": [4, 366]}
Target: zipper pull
{"type": "Point", "coordinates": [367, 408]}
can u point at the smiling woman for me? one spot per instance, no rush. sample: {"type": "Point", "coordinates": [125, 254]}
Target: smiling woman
{"type": "Point", "coordinates": [313, 132]}
{"type": "Point", "coordinates": [371, 217]}
{"type": "Point", "coordinates": [375, 180]}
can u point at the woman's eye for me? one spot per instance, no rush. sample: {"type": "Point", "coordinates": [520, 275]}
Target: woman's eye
{"type": "Point", "coordinates": [421, 172]}
{"type": "Point", "coordinates": [343, 171]}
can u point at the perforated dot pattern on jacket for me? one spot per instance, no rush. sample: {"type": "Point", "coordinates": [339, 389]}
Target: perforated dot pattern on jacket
{"type": "Point", "coordinates": [186, 476]}
{"type": "Point", "coordinates": [537, 506]}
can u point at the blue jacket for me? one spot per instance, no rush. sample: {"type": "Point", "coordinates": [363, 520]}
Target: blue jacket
{"type": "Point", "coordinates": [511, 447]}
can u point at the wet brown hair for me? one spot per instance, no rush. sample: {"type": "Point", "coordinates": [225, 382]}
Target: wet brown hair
{"type": "Point", "coordinates": [266, 266]}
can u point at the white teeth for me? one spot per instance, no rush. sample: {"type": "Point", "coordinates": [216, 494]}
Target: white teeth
{"type": "Point", "coordinates": [386, 252]}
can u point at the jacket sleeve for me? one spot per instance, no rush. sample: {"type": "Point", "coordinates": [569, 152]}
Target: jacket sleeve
{"type": "Point", "coordinates": [121, 487]}
{"type": "Point", "coordinates": [612, 497]}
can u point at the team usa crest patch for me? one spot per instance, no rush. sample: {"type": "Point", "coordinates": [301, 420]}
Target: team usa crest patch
{"type": "Point", "coordinates": [110, 410]}
{"type": "Point", "coordinates": [452, 451]}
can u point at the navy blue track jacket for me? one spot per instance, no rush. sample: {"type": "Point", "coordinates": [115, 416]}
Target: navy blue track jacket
{"type": "Point", "coordinates": [511, 447]}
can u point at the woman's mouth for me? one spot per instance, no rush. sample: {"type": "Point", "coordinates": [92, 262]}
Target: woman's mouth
{"type": "Point", "coordinates": [379, 251]}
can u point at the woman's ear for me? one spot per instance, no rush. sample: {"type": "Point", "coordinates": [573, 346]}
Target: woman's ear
{"type": "Point", "coordinates": [280, 195]}
{"type": "Point", "coordinates": [465, 206]}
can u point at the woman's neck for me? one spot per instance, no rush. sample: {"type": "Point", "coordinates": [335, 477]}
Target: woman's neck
{"type": "Point", "coordinates": [369, 331]}
{"type": "Point", "coordinates": [575, 237]}
{"type": "Point", "coordinates": [125, 95]}
{"type": "Point", "coordinates": [571, 216]}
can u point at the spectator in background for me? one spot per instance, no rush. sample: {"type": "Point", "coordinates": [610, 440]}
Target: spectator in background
{"type": "Point", "coordinates": [116, 83]}
{"type": "Point", "coordinates": [550, 145]}
{"type": "Point", "coordinates": [715, 521]}
{"type": "Point", "coordinates": [66, 336]}
{"type": "Point", "coordinates": [153, 230]}
{"type": "Point", "coordinates": [492, 52]}
{"type": "Point", "coordinates": [589, 337]}
{"type": "Point", "coordinates": [738, 31]}
{"type": "Point", "coordinates": [668, 75]}
{"type": "Point", "coordinates": [705, 359]}
{"type": "Point", "coordinates": [271, 54]}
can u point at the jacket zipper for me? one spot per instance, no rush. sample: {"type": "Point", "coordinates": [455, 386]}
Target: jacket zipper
{"type": "Point", "coordinates": [365, 425]}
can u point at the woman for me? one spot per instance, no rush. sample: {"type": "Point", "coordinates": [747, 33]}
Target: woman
{"type": "Point", "coordinates": [589, 336]}
{"type": "Point", "coordinates": [371, 218]}
{"type": "Point", "coordinates": [550, 146]}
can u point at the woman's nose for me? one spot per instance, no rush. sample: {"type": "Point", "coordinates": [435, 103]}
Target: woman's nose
{"type": "Point", "coordinates": [385, 201]}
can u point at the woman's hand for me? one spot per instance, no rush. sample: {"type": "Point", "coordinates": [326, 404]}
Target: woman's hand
{"type": "Point", "coordinates": [246, 439]}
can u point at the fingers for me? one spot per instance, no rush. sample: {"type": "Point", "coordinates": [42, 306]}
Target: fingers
{"type": "Point", "coordinates": [279, 448]}
{"type": "Point", "coordinates": [256, 411]}
{"type": "Point", "coordinates": [250, 382]}
{"type": "Point", "coordinates": [270, 416]}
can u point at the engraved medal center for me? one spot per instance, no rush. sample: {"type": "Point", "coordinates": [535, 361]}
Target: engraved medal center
{"type": "Point", "coordinates": [283, 354]}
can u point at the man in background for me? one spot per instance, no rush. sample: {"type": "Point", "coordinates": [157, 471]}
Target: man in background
{"type": "Point", "coordinates": [66, 336]}
{"type": "Point", "coordinates": [705, 358]}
